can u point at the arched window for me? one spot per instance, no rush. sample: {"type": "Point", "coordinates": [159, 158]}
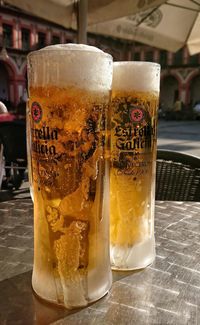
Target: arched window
{"type": "Point", "coordinates": [4, 83]}
{"type": "Point", "coordinates": [169, 91]}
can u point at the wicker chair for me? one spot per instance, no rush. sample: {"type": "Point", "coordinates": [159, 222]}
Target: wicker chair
{"type": "Point", "coordinates": [177, 176]}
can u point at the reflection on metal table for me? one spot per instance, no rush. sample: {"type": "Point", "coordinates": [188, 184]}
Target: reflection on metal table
{"type": "Point", "coordinates": [167, 292]}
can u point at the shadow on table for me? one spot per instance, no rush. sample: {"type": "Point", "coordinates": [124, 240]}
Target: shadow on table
{"type": "Point", "coordinates": [7, 195]}
{"type": "Point", "coordinates": [119, 275]}
{"type": "Point", "coordinates": [19, 305]}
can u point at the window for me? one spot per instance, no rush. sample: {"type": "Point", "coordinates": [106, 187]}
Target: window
{"type": "Point", "coordinates": [163, 58]}
{"type": "Point", "coordinates": [71, 41]}
{"type": "Point", "coordinates": [194, 59]}
{"type": "Point", "coordinates": [149, 56]}
{"type": "Point", "coordinates": [25, 39]}
{"type": "Point", "coordinates": [178, 57]}
{"type": "Point", "coordinates": [7, 35]}
{"type": "Point", "coordinates": [136, 56]}
{"type": "Point", "coordinates": [41, 39]}
{"type": "Point", "coordinates": [55, 39]}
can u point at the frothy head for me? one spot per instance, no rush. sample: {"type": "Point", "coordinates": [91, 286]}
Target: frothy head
{"type": "Point", "coordinates": [139, 76]}
{"type": "Point", "coordinates": [63, 65]}
{"type": "Point", "coordinates": [70, 47]}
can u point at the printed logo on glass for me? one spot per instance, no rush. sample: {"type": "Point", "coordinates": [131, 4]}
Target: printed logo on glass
{"type": "Point", "coordinates": [36, 112]}
{"type": "Point", "coordinates": [137, 114]}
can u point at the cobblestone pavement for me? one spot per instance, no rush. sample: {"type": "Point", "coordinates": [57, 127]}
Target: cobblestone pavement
{"type": "Point", "coordinates": [181, 136]}
{"type": "Point", "coordinates": [16, 233]}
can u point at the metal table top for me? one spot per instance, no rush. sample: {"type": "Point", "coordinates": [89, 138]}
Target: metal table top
{"type": "Point", "coordinates": [167, 292]}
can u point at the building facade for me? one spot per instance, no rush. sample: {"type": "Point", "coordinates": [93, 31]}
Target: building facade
{"type": "Point", "coordinates": [180, 74]}
{"type": "Point", "coordinates": [21, 33]}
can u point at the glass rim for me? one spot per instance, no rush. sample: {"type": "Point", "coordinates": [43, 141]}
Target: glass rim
{"type": "Point", "coordinates": [126, 63]}
{"type": "Point", "coordinates": [65, 49]}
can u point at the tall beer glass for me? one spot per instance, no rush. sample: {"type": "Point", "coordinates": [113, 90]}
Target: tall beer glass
{"type": "Point", "coordinates": [133, 158]}
{"type": "Point", "coordinates": [69, 93]}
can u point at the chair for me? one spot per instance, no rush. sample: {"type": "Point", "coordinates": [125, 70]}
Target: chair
{"type": "Point", "coordinates": [13, 141]}
{"type": "Point", "coordinates": [177, 176]}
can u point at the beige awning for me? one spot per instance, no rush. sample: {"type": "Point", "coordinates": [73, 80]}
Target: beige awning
{"type": "Point", "coordinates": [63, 12]}
{"type": "Point", "coordinates": [169, 26]}
{"type": "Point", "coordinates": [164, 24]}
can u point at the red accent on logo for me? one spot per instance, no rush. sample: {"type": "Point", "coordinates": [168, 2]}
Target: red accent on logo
{"type": "Point", "coordinates": [36, 112]}
{"type": "Point", "coordinates": [137, 114]}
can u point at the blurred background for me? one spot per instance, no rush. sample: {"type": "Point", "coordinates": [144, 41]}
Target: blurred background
{"type": "Point", "coordinates": [22, 31]}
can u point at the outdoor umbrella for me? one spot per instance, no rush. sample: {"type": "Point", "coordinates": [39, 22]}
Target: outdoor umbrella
{"type": "Point", "coordinates": [165, 24]}
{"type": "Point", "coordinates": [89, 12]}
{"type": "Point", "coordinates": [169, 26]}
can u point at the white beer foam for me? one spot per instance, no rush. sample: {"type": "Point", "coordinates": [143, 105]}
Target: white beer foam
{"type": "Point", "coordinates": [72, 46]}
{"type": "Point", "coordinates": [63, 65]}
{"type": "Point", "coordinates": [136, 75]}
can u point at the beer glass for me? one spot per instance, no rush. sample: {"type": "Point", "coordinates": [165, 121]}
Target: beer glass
{"type": "Point", "coordinates": [69, 94]}
{"type": "Point", "coordinates": [133, 161]}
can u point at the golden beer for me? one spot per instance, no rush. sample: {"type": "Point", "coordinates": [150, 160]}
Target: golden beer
{"type": "Point", "coordinates": [133, 158]}
{"type": "Point", "coordinates": [68, 128]}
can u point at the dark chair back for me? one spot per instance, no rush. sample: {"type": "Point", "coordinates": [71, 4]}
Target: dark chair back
{"type": "Point", "coordinates": [13, 137]}
{"type": "Point", "coordinates": [177, 176]}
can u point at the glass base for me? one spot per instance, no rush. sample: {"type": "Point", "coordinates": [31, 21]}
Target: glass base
{"type": "Point", "coordinates": [132, 258]}
{"type": "Point", "coordinates": [72, 297]}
